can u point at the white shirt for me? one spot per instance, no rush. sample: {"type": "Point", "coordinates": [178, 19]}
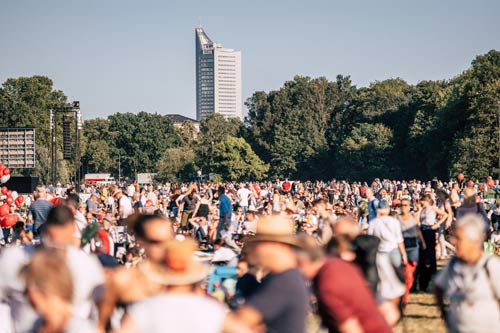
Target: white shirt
{"type": "Point", "coordinates": [224, 254]}
{"type": "Point", "coordinates": [178, 313]}
{"type": "Point", "coordinates": [88, 280]}
{"type": "Point", "coordinates": [243, 193]}
{"type": "Point", "coordinates": [388, 230]}
{"type": "Point", "coordinates": [473, 296]}
{"type": "Point", "coordinates": [81, 223]}
{"type": "Point", "coordinates": [126, 206]}
{"type": "Point", "coordinates": [131, 190]}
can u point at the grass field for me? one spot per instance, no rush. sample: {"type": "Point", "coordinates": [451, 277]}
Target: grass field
{"type": "Point", "coordinates": [421, 315]}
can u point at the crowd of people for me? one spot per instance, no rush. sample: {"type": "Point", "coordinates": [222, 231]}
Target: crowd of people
{"type": "Point", "coordinates": [131, 258]}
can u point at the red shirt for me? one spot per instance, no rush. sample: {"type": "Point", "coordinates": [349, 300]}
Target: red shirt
{"type": "Point", "coordinates": [343, 293]}
{"type": "Point", "coordinates": [286, 186]}
{"type": "Point", "coordinates": [104, 237]}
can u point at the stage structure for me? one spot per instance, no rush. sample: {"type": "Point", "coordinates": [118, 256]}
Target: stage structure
{"type": "Point", "coordinates": [69, 111]}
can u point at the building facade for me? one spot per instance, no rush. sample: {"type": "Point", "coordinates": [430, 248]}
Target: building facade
{"type": "Point", "coordinates": [218, 78]}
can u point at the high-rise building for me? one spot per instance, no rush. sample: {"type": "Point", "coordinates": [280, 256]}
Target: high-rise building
{"type": "Point", "coordinates": [218, 78]}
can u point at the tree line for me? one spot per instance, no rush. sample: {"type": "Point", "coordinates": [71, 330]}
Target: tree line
{"type": "Point", "coordinates": [310, 128]}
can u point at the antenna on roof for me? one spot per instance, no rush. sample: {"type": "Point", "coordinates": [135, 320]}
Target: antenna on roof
{"type": "Point", "coordinates": [199, 22]}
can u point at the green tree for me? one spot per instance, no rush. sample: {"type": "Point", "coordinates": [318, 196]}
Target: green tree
{"type": "Point", "coordinates": [177, 164]}
{"type": "Point", "coordinates": [96, 155]}
{"type": "Point", "coordinates": [26, 102]}
{"type": "Point", "coordinates": [366, 153]}
{"type": "Point", "coordinates": [235, 160]}
{"type": "Point", "coordinates": [140, 140]}
{"type": "Point", "coordinates": [188, 133]}
{"type": "Point", "coordinates": [214, 129]}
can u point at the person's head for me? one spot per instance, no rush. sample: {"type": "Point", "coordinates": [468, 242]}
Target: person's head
{"type": "Point", "coordinates": [442, 195]}
{"type": "Point", "coordinates": [82, 208]}
{"type": "Point", "coordinates": [405, 206]}
{"type": "Point", "coordinates": [346, 226]}
{"type": "Point", "coordinates": [468, 238]}
{"type": "Point", "coordinates": [60, 225]}
{"type": "Point", "coordinates": [273, 246]}
{"type": "Point", "coordinates": [242, 268]}
{"type": "Point", "coordinates": [40, 192]}
{"type": "Point", "coordinates": [107, 222]}
{"type": "Point", "coordinates": [384, 208]}
{"type": "Point", "coordinates": [132, 254]}
{"type": "Point", "coordinates": [218, 244]}
{"type": "Point", "coordinates": [49, 286]}
{"type": "Point", "coordinates": [117, 194]}
{"type": "Point", "coordinates": [152, 232]}
{"type": "Point", "coordinates": [470, 195]}
{"type": "Point", "coordinates": [310, 256]}
{"type": "Point", "coordinates": [250, 216]}
{"type": "Point", "coordinates": [369, 193]}
{"type": "Point", "coordinates": [221, 190]}
{"type": "Point", "coordinates": [427, 201]}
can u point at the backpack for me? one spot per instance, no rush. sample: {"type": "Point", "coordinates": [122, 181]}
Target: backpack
{"type": "Point", "coordinates": [366, 247]}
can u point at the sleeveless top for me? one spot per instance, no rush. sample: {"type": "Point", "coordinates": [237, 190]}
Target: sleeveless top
{"type": "Point", "coordinates": [203, 211]}
{"type": "Point", "coordinates": [428, 217]}
{"type": "Point", "coordinates": [408, 228]}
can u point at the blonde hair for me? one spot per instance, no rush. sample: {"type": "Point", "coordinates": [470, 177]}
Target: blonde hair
{"type": "Point", "coordinates": [470, 197]}
{"type": "Point", "coordinates": [49, 273]}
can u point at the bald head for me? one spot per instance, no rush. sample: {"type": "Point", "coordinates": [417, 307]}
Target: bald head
{"type": "Point", "coordinates": [346, 226]}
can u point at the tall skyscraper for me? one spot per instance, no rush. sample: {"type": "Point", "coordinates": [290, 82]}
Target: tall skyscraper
{"type": "Point", "coordinates": [218, 78]}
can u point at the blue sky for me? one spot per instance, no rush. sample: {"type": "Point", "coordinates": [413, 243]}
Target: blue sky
{"type": "Point", "coordinates": [128, 56]}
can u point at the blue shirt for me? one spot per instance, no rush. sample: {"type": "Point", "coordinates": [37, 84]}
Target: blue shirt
{"type": "Point", "coordinates": [39, 210]}
{"type": "Point", "coordinates": [372, 208]}
{"type": "Point", "coordinates": [225, 206]}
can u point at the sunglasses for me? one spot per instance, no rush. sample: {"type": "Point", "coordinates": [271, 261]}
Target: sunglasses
{"type": "Point", "coordinates": [405, 205]}
{"type": "Point", "coordinates": [154, 241]}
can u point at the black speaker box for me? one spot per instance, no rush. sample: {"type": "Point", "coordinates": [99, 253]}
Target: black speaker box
{"type": "Point", "coordinates": [22, 185]}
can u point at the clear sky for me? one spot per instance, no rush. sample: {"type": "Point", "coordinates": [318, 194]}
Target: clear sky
{"type": "Point", "coordinates": [133, 55]}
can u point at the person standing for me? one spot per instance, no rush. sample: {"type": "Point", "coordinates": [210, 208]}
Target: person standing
{"type": "Point", "coordinates": [455, 198]}
{"type": "Point", "coordinates": [272, 304]}
{"type": "Point", "coordinates": [187, 207]}
{"type": "Point", "coordinates": [411, 235]}
{"type": "Point", "coordinates": [244, 195]}
{"type": "Point", "coordinates": [469, 281]}
{"type": "Point", "coordinates": [345, 301]}
{"type": "Point", "coordinates": [91, 204]}
{"type": "Point", "coordinates": [124, 206]}
{"type": "Point", "coordinates": [431, 218]}
{"type": "Point", "coordinates": [180, 306]}
{"type": "Point", "coordinates": [372, 204]}
{"type": "Point", "coordinates": [225, 211]}
{"type": "Point", "coordinates": [39, 210]}
{"type": "Point", "coordinates": [57, 233]}
{"type": "Point", "coordinates": [390, 255]}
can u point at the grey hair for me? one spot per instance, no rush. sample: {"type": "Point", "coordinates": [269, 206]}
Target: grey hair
{"type": "Point", "coordinates": [473, 227]}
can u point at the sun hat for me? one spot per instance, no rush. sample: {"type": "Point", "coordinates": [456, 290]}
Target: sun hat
{"type": "Point", "coordinates": [179, 267]}
{"type": "Point", "coordinates": [115, 192]}
{"type": "Point", "coordinates": [277, 229]}
{"type": "Point", "coordinates": [252, 208]}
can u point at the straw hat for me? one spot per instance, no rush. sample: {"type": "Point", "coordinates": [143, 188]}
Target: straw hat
{"type": "Point", "coordinates": [179, 267]}
{"type": "Point", "coordinates": [275, 229]}
{"type": "Point", "coordinates": [115, 192]}
{"type": "Point", "coordinates": [252, 208]}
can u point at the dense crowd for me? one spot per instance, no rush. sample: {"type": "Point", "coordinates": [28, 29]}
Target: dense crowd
{"type": "Point", "coordinates": [249, 257]}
